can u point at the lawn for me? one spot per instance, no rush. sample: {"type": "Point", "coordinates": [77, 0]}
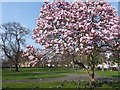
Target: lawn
{"type": "Point", "coordinates": [108, 73]}
{"type": "Point", "coordinates": [38, 73]}
{"type": "Point", "coordinates": [71, 84]}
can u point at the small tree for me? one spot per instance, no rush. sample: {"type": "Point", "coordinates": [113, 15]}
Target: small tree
{"type": "Point", "coordinates": [12, 37]}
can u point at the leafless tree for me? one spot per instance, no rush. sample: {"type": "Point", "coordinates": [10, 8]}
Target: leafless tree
{"type": "Point", "coordinates": [13, 39]}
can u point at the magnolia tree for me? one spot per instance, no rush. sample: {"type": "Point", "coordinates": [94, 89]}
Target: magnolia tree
{"type": "Point", "coordinates": [79, 27]}
{"type": "Point", "coordinates": [34, 55]}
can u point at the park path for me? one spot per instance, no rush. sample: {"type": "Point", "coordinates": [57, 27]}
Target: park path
{"type": "Point", "coordinates": [68, 77]}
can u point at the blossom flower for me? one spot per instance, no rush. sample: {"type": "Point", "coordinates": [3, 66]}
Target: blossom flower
{"type": "Point", "coordinates": [78, 26]}
{"type": "Point", "coordinates": [31, 57]}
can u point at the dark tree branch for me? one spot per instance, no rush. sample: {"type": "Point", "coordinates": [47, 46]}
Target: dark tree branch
{"type": "Point", "coordinates": [12, 38]}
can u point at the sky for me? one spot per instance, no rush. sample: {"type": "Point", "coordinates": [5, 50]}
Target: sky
{"type": "Point", "coordinates": [25, 12]}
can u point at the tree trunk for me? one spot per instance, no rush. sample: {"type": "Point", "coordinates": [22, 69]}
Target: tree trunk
{"type": "Point", "coordinates": [16, 67]}
{"type": "Point", "coordinates": [91, 76]}
{"type": "Point", "coordinates": [102, 63]}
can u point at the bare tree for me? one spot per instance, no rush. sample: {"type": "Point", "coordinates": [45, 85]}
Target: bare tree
{"type": "Point", "coordinates": [13, 38]}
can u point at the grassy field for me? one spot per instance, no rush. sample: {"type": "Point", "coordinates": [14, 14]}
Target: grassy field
{"type": "Point", "coordinates": [108, 73]}
{"type": "Point", "coordinates": [34, 73]}
{"type": "Point", "coordinates": [69, 84]}
{"type": "Point", "coordinates": [38, 73]}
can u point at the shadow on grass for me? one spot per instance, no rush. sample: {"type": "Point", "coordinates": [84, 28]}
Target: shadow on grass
{"type": "Point", "coordinates": [117, 76]}
{"type": "Point", "coordinates": [109, 84]}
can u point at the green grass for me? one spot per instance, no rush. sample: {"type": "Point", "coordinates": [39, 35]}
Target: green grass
{"type": "Point", "coordinates": [38, 73]}
{"type": "Point", "coordinates": [35, 73]}
{"type": "Point", "coordinates": [30, 76]}
{"type": "Point", "coordinates": [44, 85]}
{"type": "Point", "coordinates": [29, 85]}
{"type": "Point", "coordinates": [108, 73]}
{"type": "Point", "coordinates": [60, 85]}
{"type": "Point", "coordinates": [7, 70]}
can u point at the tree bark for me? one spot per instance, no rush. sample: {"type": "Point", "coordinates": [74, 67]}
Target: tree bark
{"type": "Point", "coordinates": [16, 67]}
{"type": "Point", "coordinates": [91, 78]}
{"type": "Point", "coordinates": [90, 75]}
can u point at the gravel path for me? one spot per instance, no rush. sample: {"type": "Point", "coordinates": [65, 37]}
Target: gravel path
{"type": "Point", "coordinates": [68, 77]}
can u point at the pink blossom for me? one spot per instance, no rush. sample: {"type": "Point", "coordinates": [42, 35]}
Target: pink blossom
{"type": "Point", "coordinates": [93, 31]}
{"type": "Point", "coordinates": [72, 28]}
{"type": "Point", "coordinates": [31, 57]}
{"type": "Point", "coordinates": [77, 49]}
